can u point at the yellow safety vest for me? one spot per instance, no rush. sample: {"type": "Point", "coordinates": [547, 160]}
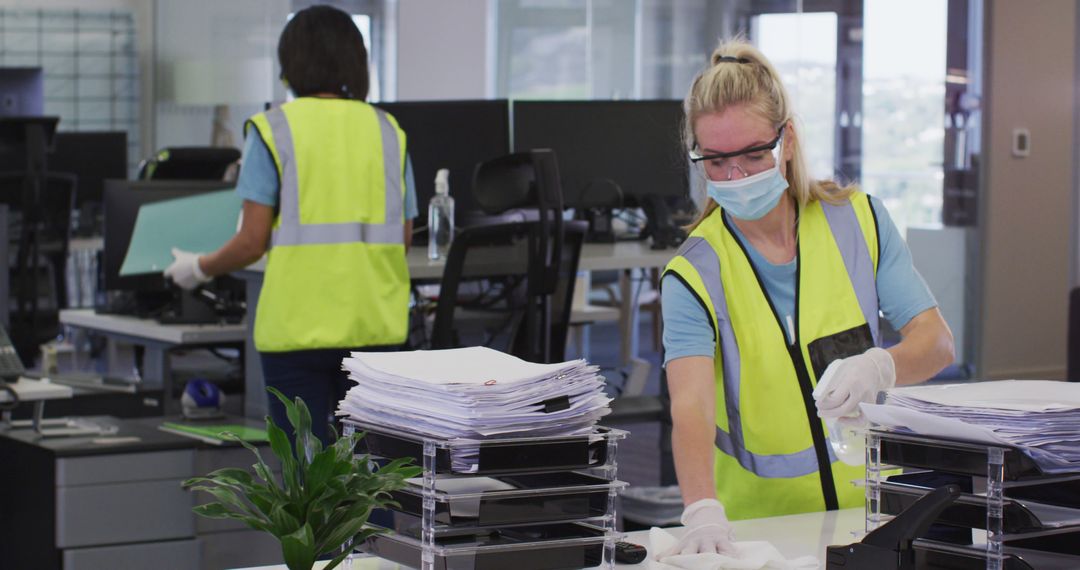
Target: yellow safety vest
{"type": "Point", "coordinates": [336, 275]}
{"type": "Point", "coordinates": [771, 444]}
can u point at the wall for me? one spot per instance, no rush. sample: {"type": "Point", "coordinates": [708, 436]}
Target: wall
{"type": "Point", "coordinates": [1027, 203]}
{"type": "Point", "coordinates": [441, 49]}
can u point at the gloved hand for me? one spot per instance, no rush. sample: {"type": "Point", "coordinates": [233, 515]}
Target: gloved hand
{"type": "Point", "coordinates": [850, 381]}
{"type": "Point", "coordinates": [708, 530]}
{"type": "Point", "coordinates": [185, 270]}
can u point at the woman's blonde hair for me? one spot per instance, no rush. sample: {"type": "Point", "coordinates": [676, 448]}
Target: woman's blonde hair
{"type": "Point", "coordinates": [739, 74]}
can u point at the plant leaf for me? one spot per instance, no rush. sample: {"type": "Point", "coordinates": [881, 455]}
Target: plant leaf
{"type": "Point", "coordinates": [218, 511]}
{"type": "Point", "coordinates": [298, 549]}
{"type": "Point", "coordinates": [279, 444]}
{"type": "Point", "coordinates": [284, 522]}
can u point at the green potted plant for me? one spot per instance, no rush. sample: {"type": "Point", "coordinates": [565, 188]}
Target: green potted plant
{"type": "Point", "coordinates": [324, 497]}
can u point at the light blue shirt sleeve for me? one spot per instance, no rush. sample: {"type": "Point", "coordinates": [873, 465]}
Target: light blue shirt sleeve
{"type": "Point", "coordinates": [902, 292]}
{"type": "Point", "coordinates": [687, 331]}
{"type": "Point", "coordinates": [258, 180]}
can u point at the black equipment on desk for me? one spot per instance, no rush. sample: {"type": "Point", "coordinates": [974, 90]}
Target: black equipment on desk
{"type": "Point", "coordinates": [889, 547]}
{"type": "Point", "coordinates": [189, 163]}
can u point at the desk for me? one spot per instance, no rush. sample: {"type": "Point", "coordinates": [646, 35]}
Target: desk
{"type": "Point", "coordinates": [623, 256]}
{"type": "Point", "coordinates": [157, 339]}
{"type": "Point", "coordinates": [115, 501]}
{"type": "Point", "coordinates": [793, 535]}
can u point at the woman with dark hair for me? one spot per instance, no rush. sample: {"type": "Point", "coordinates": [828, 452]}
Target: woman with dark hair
{"type": "Point", "coordinates": [328, 195]}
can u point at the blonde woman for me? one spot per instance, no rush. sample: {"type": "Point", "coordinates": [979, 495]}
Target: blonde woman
{"type": "Point", "coordinates": [781, 277]}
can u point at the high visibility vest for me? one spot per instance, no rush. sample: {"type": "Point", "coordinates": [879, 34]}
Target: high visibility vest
{"type": "Point", "coordinates": [772, 456]}
{"type": "Point", "coordinates": [336, 275]}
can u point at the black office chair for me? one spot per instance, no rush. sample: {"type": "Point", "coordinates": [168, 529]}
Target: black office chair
{"type": "Point", "coordinates": [526, 269]}
{"type": "Point", "coordinates": [40, 233]}
{"type": "Point", "coordinates": [189, 163]}
{"type": "Point", "coordinates": [487, 282]}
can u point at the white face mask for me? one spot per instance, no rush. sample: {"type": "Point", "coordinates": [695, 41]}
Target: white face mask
{"type": "Point", "coordinates": [752, 197]}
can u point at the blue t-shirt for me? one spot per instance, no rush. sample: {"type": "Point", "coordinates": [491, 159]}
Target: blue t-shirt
{"type": "Point", "coordinates": [902, 293]}
{"type": "Point", "coordinates": [258, 180]}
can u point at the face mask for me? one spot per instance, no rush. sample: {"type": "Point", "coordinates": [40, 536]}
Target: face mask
{"type": "Point", "coordinates": [752, 197]}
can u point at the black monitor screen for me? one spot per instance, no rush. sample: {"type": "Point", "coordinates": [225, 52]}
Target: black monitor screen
{"type": "Point", "coordinates": [122, 201]}
{"type": "Point", "coordinates": [455, 135]}
{"type": "Point", "coordinates": [93, 157]}
{"type": "Point", "coordinates": [637, 145]}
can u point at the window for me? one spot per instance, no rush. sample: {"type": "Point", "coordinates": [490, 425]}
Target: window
{"type": "Point", "coordinates": [89, 64]}
{"type": "Point", "coordinates": [870, 98]}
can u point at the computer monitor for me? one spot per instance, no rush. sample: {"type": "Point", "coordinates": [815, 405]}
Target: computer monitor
{"type": "Point", "coordinates": [93, 157]}
{"type": "Point", "coordinates": [456, 135]}
{"type": "Point", "coordinates": [636, 145]}
{"type": "Point", "coordinates": [122, 201]}
{"type": "Point", "coordinates": [22, 92]}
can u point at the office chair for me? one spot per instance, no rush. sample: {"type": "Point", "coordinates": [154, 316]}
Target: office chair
{"type": "Point", "coordinates": [189, 163]}
{"type": "Point", "coordinates": [40, 232]}
{"type": "Point", "coordinates": [531, 266]}
{"type": "Point", "coordinates": [490, 277]}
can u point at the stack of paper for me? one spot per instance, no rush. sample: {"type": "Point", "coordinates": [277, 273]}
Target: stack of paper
{"type": "Point", "coordinates": [472, 393]}
{"type": "Point", "coordinates": [1041, 417]}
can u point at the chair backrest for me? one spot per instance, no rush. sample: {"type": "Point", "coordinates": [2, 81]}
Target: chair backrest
{"type": "Point", "coordinates": [489, 268]}
{"type": "Point", "coordinates": [559, 302]}
{"type": "Point", "coordinates": [189, 163]}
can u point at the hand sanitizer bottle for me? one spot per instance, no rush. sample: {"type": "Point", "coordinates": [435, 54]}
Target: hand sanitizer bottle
{"type": "Point", "coordinates": [440, 217]}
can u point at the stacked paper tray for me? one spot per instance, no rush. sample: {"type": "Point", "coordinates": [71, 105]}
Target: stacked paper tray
{"type": "Point", "coordinates": [932, 555]}
{"type": "Point", "coordinates": [548, 547]}
{"type": "Point", "coordinates": [508, 500]}
{"type": "Point", "coordinates": [495, 456]}
{"type": "Point", "coordinates": [953, 456]}
{"type": "Point", "coordinates": [1021, 516]}
{"type": "Point", "coordinates": [1031, 518]}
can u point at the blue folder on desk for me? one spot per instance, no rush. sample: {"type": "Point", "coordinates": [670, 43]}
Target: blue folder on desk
{"type": "Point", "coordinates": [199, 223]}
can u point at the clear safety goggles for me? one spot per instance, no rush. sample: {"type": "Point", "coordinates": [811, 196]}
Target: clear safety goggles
{"type": "Point", "coordinates": [723, 166]}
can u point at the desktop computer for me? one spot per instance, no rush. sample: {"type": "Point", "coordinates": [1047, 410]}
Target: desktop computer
{"type": "Point", "coordinates": [456, 135]}
{"type": "Point", "coordinates": [151, 295]}
{"type": "Point", "coordinates": [613, 155]}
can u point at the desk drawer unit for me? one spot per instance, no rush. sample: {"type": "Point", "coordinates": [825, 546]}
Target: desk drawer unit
{"type": "Point", "coordinates": [138, 494]}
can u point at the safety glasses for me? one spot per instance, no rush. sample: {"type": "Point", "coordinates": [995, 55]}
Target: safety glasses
{"type": "Point", "coordinates": [748, 161]}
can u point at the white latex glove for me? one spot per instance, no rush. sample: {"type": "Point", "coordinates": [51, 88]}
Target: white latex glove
{"type": "Point", "coordinates": [847, 382]}
{"type": "Point", "coordinates": [185, 270]}
{"type": "Point", "coordinates": [708, 530]}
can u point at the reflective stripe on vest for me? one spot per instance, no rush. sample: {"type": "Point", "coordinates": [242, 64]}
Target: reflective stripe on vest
{"type": "Point", "coordinates": [861, 268]}
{"type": "Point", "coordinates": [700, 254]}
{"type": "Point", "coordinates": [291, 231]}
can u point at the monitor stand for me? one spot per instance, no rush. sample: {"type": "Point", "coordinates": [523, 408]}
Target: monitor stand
{"type": "Point", "coordinates": [38, 391]}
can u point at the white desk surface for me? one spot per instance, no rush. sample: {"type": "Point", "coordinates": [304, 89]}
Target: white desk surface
{"type": "Point", "coordinates": [152, 330]}
{"type": "Point", "coordinates": [594, 257]}
{"type": "Point", "coordinates": [793, 535]}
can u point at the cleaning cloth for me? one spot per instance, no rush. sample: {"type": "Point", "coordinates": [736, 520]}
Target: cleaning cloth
{"type": "Point", "coordinates": [749, 555]}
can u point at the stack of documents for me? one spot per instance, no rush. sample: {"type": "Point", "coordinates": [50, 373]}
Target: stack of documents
{"type": "Point", "coordinates": [472, 393]}
{"type": "Point", "coordinates": [1041, 417]}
